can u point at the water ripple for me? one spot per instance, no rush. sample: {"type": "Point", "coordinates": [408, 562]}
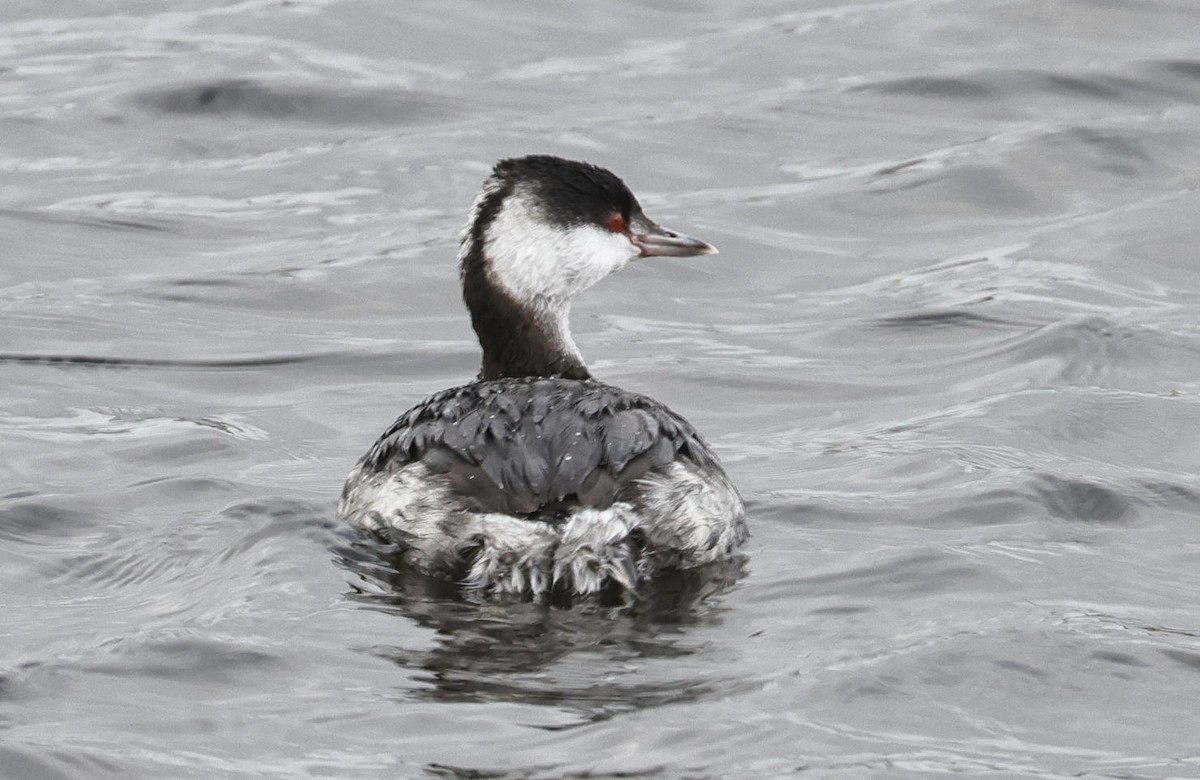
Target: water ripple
{"type": "Point", "coordinates": [249, 98]}
{"type": "Point", "coordinates": [1152, 81]}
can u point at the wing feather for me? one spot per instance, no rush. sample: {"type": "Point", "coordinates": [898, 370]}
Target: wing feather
{"type": "Point", "coordinates": [535, 442]}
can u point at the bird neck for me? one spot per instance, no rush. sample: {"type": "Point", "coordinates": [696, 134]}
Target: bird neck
{"type": "Point", "coordinates": [518, 338]}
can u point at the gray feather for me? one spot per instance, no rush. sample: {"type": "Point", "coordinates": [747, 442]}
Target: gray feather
{"type": "Point", "coordinates": [537, 441]}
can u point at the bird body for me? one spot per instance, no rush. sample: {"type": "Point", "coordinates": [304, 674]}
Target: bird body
{"type": "Point", "coordinates": [537, 478]}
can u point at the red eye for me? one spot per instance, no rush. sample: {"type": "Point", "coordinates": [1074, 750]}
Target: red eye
{"type": "Point", "coordinates": [616, 223]}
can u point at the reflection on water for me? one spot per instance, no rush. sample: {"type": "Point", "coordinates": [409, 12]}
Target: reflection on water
{"type": "Point", "coordinates": [949, 352]}
{"type": "Point", "coordinates": [520, 651]}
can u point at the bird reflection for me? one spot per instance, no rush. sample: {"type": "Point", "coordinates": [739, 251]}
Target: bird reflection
{"type": "Point", "coordinates": [594, 656]}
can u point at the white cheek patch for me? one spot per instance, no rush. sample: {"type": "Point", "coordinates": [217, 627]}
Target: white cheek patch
{"type": "Point", "coordinates": [535, 260]}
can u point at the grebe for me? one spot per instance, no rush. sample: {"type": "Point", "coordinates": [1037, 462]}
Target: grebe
{"type": "Point", "coordinates": [535, 478]}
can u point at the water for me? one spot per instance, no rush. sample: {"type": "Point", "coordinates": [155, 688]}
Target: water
{"type": "Point", "coordinates": [950, 352]}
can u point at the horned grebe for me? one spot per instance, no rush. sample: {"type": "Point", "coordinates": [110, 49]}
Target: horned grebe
{"type": "Point", "coordinates": [536, 478]}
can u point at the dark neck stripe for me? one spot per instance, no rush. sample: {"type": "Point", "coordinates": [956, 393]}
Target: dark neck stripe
{"type": "Point", "coordinates": [515, 342]}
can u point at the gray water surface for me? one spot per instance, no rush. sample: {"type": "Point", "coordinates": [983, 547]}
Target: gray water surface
{"type": "Point", "coordinates": [950, 352]}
